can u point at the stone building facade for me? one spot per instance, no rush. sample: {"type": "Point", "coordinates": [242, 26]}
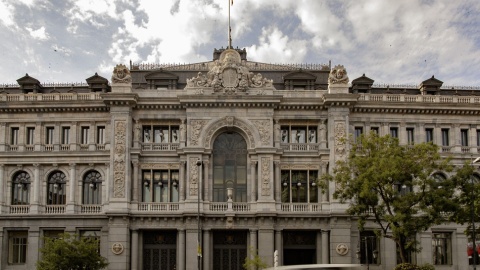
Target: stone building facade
{"type": "Point", "coordinates": [135, 161]}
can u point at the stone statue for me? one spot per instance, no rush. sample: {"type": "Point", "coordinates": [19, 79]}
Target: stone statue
{"type": "Point", "coordinates": [121, 74]}
{"type": "Point", "coordinates": [338, 75]}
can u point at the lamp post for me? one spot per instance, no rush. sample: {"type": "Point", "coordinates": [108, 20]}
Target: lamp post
{"type": "Point", "coordinates": [359, 253]}
{"type": "Point", "coordinates": [475, 254]}
{"type": "Point", "coordinates": [199, 251]}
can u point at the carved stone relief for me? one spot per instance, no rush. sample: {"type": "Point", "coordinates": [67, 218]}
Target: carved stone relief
{"type": "Point", "coordinates": [194, 177]}
{"type": "Point", "coordinates": [119, 160]}
{"type": "Point", "coordinates": [228, 121]}
{"type": "Point", "coordinates": [265, 129]}
{"type": "Point", "coordinates": [121, 74]}
{"type": "Point", "coordinates": [197, 126]}
{"type": "Point", "coordinates": [265, 176]}
{"type": "Point", "coordinates": [338, 75]}
{"type": "Point", "coordinates": [340, 148]}
{"type": "Point", "coordinates": [322, 131]}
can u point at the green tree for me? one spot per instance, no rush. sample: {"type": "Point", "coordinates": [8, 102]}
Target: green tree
{"type": "Point", "coordinates": [70, 253]}
{"type": "Point", "coordinates": [254, 263]}
{"type": "Point", "coordinates": [394, 186]}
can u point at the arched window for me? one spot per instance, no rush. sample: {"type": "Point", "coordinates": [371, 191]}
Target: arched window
{"type": "Point", "coordinates": [230, 167]}
{"type": "Point", "coordinates": [92, 188]}
{"type": "Point", "coordinates": [21, 188]}
{"type": "Point", "coordinates": [56, 193]}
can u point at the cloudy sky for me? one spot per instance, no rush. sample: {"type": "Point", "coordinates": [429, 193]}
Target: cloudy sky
{"type": "Point", "coordinates": [391, 41]}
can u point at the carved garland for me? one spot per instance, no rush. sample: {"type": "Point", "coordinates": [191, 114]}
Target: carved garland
{"type": "Point", "coordinates": [264, 128]}
{"type": "Point", "coordinates": [119, 160]}
{"type": "Point", "coordinates": [193, 177]}
{"type": "Point", "coordinates": [265, 176]}
{"type": "Point", "coordinates": [340, 150]}
{"type": "Point", "coordinates": [197, 126]}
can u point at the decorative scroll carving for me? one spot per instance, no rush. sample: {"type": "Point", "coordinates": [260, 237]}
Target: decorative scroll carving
{"type": "Point", "coordinates": [264, 128]}
{"type": "Point", "coordinates": [340, 150]}
{"type": "Point", "coordinates": [197, 126]}
{"type": "Point", "coordinates": [299, 166]}
{"type": "Point", "coordinates": [226, 122]}
{"type": "Point", "coordinates": [193, 177]}
{"type": "Point", "coordinates": [265, 176]}
{"type": "Point", "coordinates": [121, 74]}
{"type": "Point", "coordinates": [338, 75]}
{"type": "Point", "coordinates": [119, 160]}
{"type": "Point", "coordinates": [165, 166]}
{"type": "Point", "coordinates": [229, 75]}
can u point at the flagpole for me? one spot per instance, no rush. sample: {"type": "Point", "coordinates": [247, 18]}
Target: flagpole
{"type": "Point", "coordinates": [229, 29]}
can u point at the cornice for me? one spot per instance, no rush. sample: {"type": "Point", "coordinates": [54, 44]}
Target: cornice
{"type": "Point", "coordinates": [417, 111]}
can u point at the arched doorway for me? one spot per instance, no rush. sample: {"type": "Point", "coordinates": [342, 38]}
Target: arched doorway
{"type": "Point", "coordinates": [230, 167]}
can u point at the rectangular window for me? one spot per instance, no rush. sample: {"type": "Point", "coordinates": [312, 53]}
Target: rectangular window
{"type": "Point", "coordinates": [299, 186]}
{"type": "Point", "coordinates": [17, 247]}
{"type": "Point", "coordinates": [429, 135]}
{"type": "Point", "coordinates": [369, 243]}
{"type": "Point", "coordinates": [445, 137]}
{"type": "Point", "coordinates": [464, 137]}
{"type": "Point", "coordinates": [55, 234]}
{"type": "Point", "coordinates": [91, 236]}
{"type": "Point", "coordinates": [65, 135]}
{"type": "Point", "coordinates": [100, 135]}
{"type": "Point", "coordinates": [49, 135]}
{"type": "Point", "coordinates": [442, 248]}
{"type": "Point", "coordinates": [374, 130]}
{"type": "Point", "coordinates": [84, 137]}
{"type": "Point", "coordinates": [160, 185]}
{"type": "Point", "coordinates": [30, 135]}
{"type": "Point", "coordinates": [14, 136]}
{"type": "Point", "coordinates": [358, 133]}
{"type": "Point", "coordinates": [394, 132]}
{"type": "Point", "coordinates": [410, 135]}
{"type": "Point", "coordinates": [478, 137]}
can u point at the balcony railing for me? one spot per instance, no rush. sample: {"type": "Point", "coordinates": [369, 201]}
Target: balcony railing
{"type": "Point", "coordinates": [159, 146]}
{"type": "Point", "coordinates": [419, 98]}
{"type": "Point", "coordinates": [446, 149]}
{"type": "Point", "coordinates": [12, 148]}
{"type": "Point", "coordinates": [51, 97]}
{"type": "Point", "coordinates": [301, 207]}
{"type": "Point", "coordinates": [54, 209]}
{"type": "Point", "coordinates": [19, 209]}
{"type": "Point", "coordinates": [218, 207]}
{"type": "Point", "coordinates": [158, 207]}
{"type": "Point", "coordinates": [91, 209]}
{"type": "Point", "coordinates": [300, 146]}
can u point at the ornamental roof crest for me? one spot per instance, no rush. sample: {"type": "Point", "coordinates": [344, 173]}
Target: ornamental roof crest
{"type": "Point", "coordinates": [229, 75]}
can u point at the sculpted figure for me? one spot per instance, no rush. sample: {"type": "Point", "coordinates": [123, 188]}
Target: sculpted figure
{"type": "Point", "coordinates": [338, 75]}
{"type": "Point", "coordinates": [121, 74]}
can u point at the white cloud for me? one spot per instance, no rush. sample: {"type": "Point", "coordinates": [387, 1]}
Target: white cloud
{"type": "Point", "coordinates": [275, 47]}
{"type": "Point", "coordinates": [39, 34]}
{"type": "Point", "coordinates": [6, 14]}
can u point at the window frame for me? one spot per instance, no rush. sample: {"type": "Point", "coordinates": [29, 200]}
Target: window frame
{"type": "Point", "coordinates": [65, 135]}
{"type": "Point", "coordinates": [445, 132]}
{"type": "Point", "coordinates": [14, 135]}
{"type": "Point", "coordinates": [160, 186]}
{"type": "Point", "coordinates": [49, 135]}
{"type": "Point", "coordinates": [100, 135]}
{"type": "Point", "coordinates": [302, 133]}
{"type": "Point", "coordinates": [373, 243]}
{"type": "Point", "coordinates": [92, 188]}
{"type": "Point", "coordinates": [410, 135]}
{"type": "Point", "coordinates": [394, 132]}
{"type": "Point", "coordinates": [84, 134]}
{"type": "Point", "coordinates": [30, 138]}
{"type": "Point", "coordinates": [464, 137]}
{"type": "Point", "coordinates": [446, 248]}
{"type": "Point", "coordinates": [21, 178]}
{"type": "Point", "coordinates": [19, 248]}
{"type": "Point", "coordinates": [291, 188]}
{"type": "Point", "coordinates": [429, 135]}
{"type": "Point", "coordinates": [161, 133]}
{"type": "Point", "coordinates": [59, 179]}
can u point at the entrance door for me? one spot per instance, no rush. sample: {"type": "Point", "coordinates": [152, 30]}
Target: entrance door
{"type": "Point", "coordinates": [159, 250]}
{"type": "Point", "coordinates": [229, 250]}
{"type": "Point", "coordinates": [299, 247]}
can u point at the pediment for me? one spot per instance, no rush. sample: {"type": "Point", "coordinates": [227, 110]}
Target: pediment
{"type": "Point", "coordinates": [432, 82]}
{"type": "Point", "coordinates": [96, 79]}
{"type": "Point", "coordinates": [299, 75]}
{"type": "Point", "coordinates": [161, 75]}
{"type": "Point", "coordinates": [27, 80]}
{"type": "Point", "coordinates": [363, 80]}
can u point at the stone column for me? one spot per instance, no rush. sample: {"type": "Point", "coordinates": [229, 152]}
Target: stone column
{"type": "Point", "coordinates": [420, 135]}
{"type": "Point", "coordinates": [276, 133]}
{"type": "Point", "coordinates": [472, 136]}
{"type": "Point", "coordinates": [279, 246]}
{"type": "Point", "coordinates": [455, 138]}
{"type": "Point", "coordinates": [191, 250]}
{"type": "Point", "coordinates": [71, 195]}
{"type": "Point", "coordinates": [181, 250]}
{"type": "Point", "coordinates": [3, 135]}
{"type": "Point", "coordinates": [437, 135]}
{"type": "Point", "coordinates": [325, 247]}
{"type": "Point", "coordinates": [73, 137]}
{"type": "Point", "coordinates": [322, 134]}
{"type": "Point", "coordinates": [265, 245]}
{"type": "Point", "coordinates": [37, 136]}
{"type": "Point", "coordinates": [402, 134]}
{"type": "Point", "coordinates": [253, 176]}
{"type": "Point", "coordinates": [206, 195]}
{"type": "Point", "coordinates": [206, 250]}
{"type": "Point", "coordinates": [56, 136]}
{"type": "Point", "coordinates": [136, 184]}
{"type": "Point", "coordinates": [36, 188]}
{"type": "Point", "coordinates": [323, 170]}
{"type": "Point", "coordinates": [253, 243]}
{"type": "Point", "coordinates": [107, 184]}
{"type": "Point", "coordinates": [135, 248]}
{"type": "Point", "coordinates": [385, 129]}
{"type": "Point", "coordinates": [2, 188]}
{"type": "Point", "coordinates": [21, 138]}
{"type": "Point", "coordinates": [91, 137]}
{"type": "Point", "coordinates": [32, 248]}
{"type": "Point", "coordinates": [278, 183]}
{"type": "Point", "coordinates": [181, 181]}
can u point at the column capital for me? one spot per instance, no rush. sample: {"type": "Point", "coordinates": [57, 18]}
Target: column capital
{"type": "Point", "coordinates": [72, 165]}
{"type": "Point", "coordinates": [36, 165]}
{"type": "Point", "coordinates": [135, 163]}
{"type": "Point", "coordinates": [277, 162]}
{"type": "Point", "coordinates": [107, 165]}
{"type": "Point", "coordinates": [183, 162]}
{"type": "Point", "coordinates": [253, 162]}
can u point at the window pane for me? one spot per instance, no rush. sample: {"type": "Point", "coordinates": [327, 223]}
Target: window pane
{"type": "Point", "coordinates": [394, 132]}
{"type": "Point", "coordinates": [429, 135]}
{"type": "Point", "coordinates": [368, 244]}
{"type": "Point", "coordinates": [445, 139]}
{"type": "Point", "coordinates": [410, 135]}
{"type": "Point", "coordinates": [17, 247]}
{"type": "Point", "coordinates": [358, 132]}
{"type": "Point", "coordinates": [312, 134]}
{"type": "Point", "coordinates": [30, 135]}
{"type": "Point", "coordinates": [442, 249]}
{"type": "Point", "coordinates": [284, 134]}
{"type": "Point", "coordinates": [101, 135]}
{"type": "Point", "coordinates": [464, 137]}
{"type": "Point", "coordinates": [14, 136]}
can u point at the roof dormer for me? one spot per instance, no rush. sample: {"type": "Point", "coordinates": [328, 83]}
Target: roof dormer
{"type": "Point", "coordinates": [362, 84]}
{"type": "Point", "coordinates": [161, 80]}
{"type": "Point", "coordinates": [430, 86]}
{"type": "Point", "coordinates": [97, 83]}
{"type": "Point", "coordinates": [29, 84]}
{"type": "Point", "coordinates": [299, 80]}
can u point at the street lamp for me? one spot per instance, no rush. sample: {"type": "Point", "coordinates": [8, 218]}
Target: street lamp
{"type": "Point", "coordinates": [199, 250]}
{"type": "Point", "coordinates": [475, 254]}
{"type": "Point", "coordinates": [359, 253]}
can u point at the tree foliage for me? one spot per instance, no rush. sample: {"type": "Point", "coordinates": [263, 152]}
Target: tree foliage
{"type": "Point", "coordinates": [255, 263]}
{"type": "Point", "coordinates": [394, 186]}
{"type": "Point", "coordinates": [70, 253]}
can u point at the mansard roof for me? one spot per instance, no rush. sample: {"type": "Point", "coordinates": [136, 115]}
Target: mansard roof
{"type": "Point", "coordinates": [161, 74]}
{"type": "Point", "coordinates": [300, 74]}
